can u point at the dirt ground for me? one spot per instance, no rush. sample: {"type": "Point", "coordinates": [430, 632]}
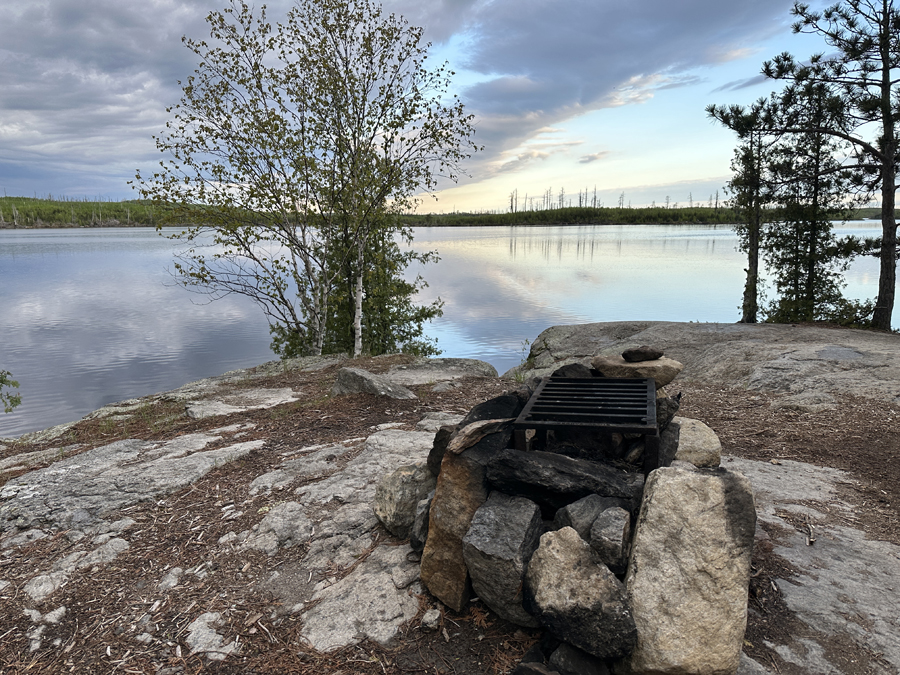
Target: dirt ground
{"type": "Point", "coordinates": [97, 632]}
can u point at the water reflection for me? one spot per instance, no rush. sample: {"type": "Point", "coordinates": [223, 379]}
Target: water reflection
{"type": "Point", "coordinates": [92, 316]}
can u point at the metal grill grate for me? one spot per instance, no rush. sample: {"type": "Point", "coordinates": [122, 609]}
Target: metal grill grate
{"type": "Point", "coordinates": [615, 404]}
{"type": "Point", "coordinates": [621, 405]}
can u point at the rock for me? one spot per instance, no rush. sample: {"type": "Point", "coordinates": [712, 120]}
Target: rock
{"type": "Point", "coordinates": [610, 537]}
{"type": "Point", "coordinates": [429, 371]}
{"type": "Point", "coordinates": [398, 494]}
{"type": "Point", "coordinates": [77, 492]}
{"type": "Point", "coordinates": [441, 387]}
{"type": "Point", "coordinates": [359, 381]}
{"type": "Point", "coordinates": [42, 586]}
{"type": "Point", "coordinates": [764, 356]}
{"type": "Point", "coordinates": [553, 481]}
{"type": "Point", "coordinates": [498, 408]}
{"type": "Point", "coordinates": [750, 667]}
{"type": "Point", "coordinates": [533, 668]}
{"type": "Point", "coordinates": [666, 407]}
{"type": "Point", "coordinates": [697, 443]}
{"type": "Point", "coordinates": [439, 447]}
{"type": "Point", "coordinates": [461, 489]}
{"type": "Point", "coordinates": [284, 526]}
{"type": "Point", "coordinates": [572, 370]}
{"type": "Point", "coordinates": [313, 462]}
{"type": "Point", "coordinates": [569, 660]}
{"type": "Point", "coordinates": [662, 370]}
{"type": "Point", "coordinates": [366, 604]}
{"type": "Point", "coordinates": [55, 616]}
{"type": "Point", "coordinates": [170, 580]}
{"type": "Point", "coordinates": [203, 639]}
{"type": "Point", "coordinates": [240, 401]}
{"type": "Point", "coordinates": [669, 441]}
{"type": "Point", "coordinates": [504, 534]}
{"type": "Point", "coordinates": [433, 421]}
{"type": "Point", "coordinates": [431, 620]}
{"type": "Point", "coordinates": [500, 431]}
{"type": "Point", "coordinates": [578, 599]}
{"type": "Point", "coordinates": [806, 401]}
{"type": "Point", "coordinates": [418, 535]}
{"type": "Point", "coordinates": [643, 353]}
{"type": "Point", "coordinates": [580, 515]}
{"type": "Point", "coordinates": [689, 571]}
{"type": "Point", "coordinates": [382, 453]}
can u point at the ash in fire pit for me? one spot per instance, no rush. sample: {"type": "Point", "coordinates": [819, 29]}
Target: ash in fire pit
{"type": "Point", "coordinates": [542, 507]}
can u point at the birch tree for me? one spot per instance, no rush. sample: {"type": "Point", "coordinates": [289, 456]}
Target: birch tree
{"type": "Point", "coordinates": [292, 144]}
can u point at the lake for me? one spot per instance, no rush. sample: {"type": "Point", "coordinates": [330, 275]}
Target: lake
{"type": "Point", "coordinates": [92, 316]}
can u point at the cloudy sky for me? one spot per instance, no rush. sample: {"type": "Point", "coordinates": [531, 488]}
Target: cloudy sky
{"type": "Point", "coordinates": [572, 94]}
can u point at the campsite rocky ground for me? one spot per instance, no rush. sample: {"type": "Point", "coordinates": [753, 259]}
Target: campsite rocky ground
{"type": "Point", "coordinates": [108, 605]}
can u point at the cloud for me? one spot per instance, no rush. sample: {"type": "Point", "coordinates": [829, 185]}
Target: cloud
{"type": "Point", "coordinates": [84, 85]}
{"type": "Point", "coordinates": [546, 62]}
{"type": "Point", "coordinates": [737, 85]}
{"type": "Point", "coordinates": [587, 159]}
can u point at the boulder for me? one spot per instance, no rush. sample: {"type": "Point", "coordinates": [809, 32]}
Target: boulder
{"type": "Point", "coordinates": [689, 571]}
{"type": "Point", "coordinates": [643, 353]}
{"type": "Point", "coordinates": [568, 660]}
{"type": "Point", "coordinates": [398, 494]}
{"type": "Point", "coordinates": [498, 408]}
{"type": "Point", "coordinates": [504, 534]}
{"type": "Point", "coordinates": [669, 440]}
{"type": "Point", "coordinates": [662, 370]}
{"type": "Point", "coordinates": [418, 535]}
{"type": "Point", "coordinates": [359, 381]}
{"type": "Point", "coordinates": [578, 599]}
{"type": "Point", "coordinates": [499, 432]}
{"type": "Point", "coordinates": [573, 370]}
{"type": "Point", "coordinates": [666, 407]}
{"type": "Point", "coordinates": [697, 443]}
{"type": "Point", "coordinates": [553, 480]}
{"type": "Point", "coordinates": [580, 515]}
{"type": "Point", "coordinates": [433, 421]}
{"type": "Point", "coordinates": [439, 447]}
{"type": "Point", "coordinates": [429, 371]}
{"type": "Point", "coordinates": [610, 537]}
{"type": "Point", "coordinates": [461, 489]}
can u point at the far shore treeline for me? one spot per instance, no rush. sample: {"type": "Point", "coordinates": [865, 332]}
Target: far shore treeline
{"type": "Point", "coordinates": [33, 213]}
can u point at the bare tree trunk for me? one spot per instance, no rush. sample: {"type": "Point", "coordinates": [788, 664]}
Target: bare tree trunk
{"type": "Point", "coordinates": [357, 315]}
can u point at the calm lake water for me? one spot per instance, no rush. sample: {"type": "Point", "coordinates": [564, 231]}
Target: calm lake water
{"type": "Point", "coordinates": [91, 317]}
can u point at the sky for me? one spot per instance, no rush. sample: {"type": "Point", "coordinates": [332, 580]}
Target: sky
{"type": "Point", "coordinates": [580, 95]}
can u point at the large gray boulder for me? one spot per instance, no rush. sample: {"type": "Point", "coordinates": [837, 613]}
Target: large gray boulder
{"type": "Point", "coordinates": [577, 598]}
{"type": "Point", "coordinates": [359, 381]}
{"type": "Point", "coordinates": [501, 540]}
{"type": "Point", "coordinates": [689, 571]}
{"type": "Point", "coordinates": [398, 494]}
{"type": "Point", "coordinates": [782, 358]}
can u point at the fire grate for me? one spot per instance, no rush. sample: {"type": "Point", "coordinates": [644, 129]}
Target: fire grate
{"type": "Point", "coordinates": [622, 405]}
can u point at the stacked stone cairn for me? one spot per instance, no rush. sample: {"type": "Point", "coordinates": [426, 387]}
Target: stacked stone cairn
{"type": "Point", "coordinates": [626, 573]}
